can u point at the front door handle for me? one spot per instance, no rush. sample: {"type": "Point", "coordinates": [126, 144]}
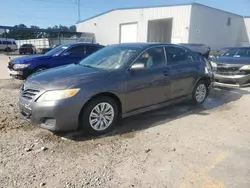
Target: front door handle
{"type": "Point", "coordinates": [165, 73]}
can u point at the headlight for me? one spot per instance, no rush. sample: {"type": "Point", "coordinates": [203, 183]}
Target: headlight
{"type": "Point", "coordinates": [245, 67]}
{"type": "Point", "coordinates": [58, 95]}
{"type": "Point", "coordinates": [206, 70]}
{"type": "Point", "coordinates": [20, 66]}
{"type": "Point", "coordinates": [214, 65]}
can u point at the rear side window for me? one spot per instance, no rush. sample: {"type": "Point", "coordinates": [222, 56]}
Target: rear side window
{"type": "Point", "coordinates": [91, 49]}
{"type": "Point", "coordinates": [4, 42]}
{"type": "Point", "coordinates": [0, 42]}
{"type": "Point", "coordinates": [78, 50]}
{"type": "Point", "coordinates": [178, 55]}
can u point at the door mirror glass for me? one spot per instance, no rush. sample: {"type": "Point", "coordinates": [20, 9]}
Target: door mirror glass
{"type": "Point", "coordinates": [190, 58]}
{"type": "Point", "coordinates": [138, 66]}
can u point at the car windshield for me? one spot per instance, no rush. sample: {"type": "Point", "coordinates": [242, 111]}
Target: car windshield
{"type": "Point", "coordinates": [223, 51]}
{"type": "Point", "coordinates": [112, 57]}
{"type": "Point", "coordinates": [238, 52]}
{"type": "Point", "coordinates": [57, 51]}
{"type": "Point", "coordinates": [27, 45]}
{"type": "Point", "coordinates": [231, 53]}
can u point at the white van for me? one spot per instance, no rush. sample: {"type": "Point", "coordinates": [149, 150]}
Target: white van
{"type": "Point", "coordinates": [7, 44]}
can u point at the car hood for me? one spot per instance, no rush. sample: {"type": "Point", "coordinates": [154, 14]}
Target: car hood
{"type": "Point", "coordinates": [63, 77]}
{"type": "Point", "coordinates": [26, 59]}
{"type": "Point", "coordinates": [233, 60]}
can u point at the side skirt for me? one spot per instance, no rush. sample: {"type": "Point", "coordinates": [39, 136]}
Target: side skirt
{"type": "Point", "coordinates": [155, 107]}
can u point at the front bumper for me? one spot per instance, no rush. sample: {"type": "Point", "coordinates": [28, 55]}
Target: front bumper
{"type": "Point", "coordinates": [234, 79]}
{"type": "Point", "coordinates": [56, 116]}
{"type": "Point", "coordinates": [22, 73]}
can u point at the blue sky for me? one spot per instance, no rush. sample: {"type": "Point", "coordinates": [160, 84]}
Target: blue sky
{"type": "Point", "coordinates": [44, 13]}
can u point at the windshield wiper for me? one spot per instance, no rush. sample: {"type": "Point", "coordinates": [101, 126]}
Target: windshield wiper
{"type": "Point", "coordinates": [89, 66]}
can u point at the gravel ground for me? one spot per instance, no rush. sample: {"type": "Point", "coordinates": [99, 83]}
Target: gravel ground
{"type": "Point", "coordinates": [177, 147]}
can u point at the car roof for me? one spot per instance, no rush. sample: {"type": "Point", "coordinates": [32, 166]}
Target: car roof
{"type": "Point", "coordinates": [144, 45]}
{"type": "Point", "coordinates": [82, 44]}
{"type": "Point", "coordinates": [241, 47]}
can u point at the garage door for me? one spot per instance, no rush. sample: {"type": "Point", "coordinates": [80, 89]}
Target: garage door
{"type": "Point", "coordinates": [128, 32]}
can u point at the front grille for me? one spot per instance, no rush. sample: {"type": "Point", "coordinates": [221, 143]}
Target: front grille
{"type": "Point", "coordinates": [29, 93]}
{"type": "Point", "coordinates": [229, 71]}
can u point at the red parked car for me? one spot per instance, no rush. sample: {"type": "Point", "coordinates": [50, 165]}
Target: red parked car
{"type": "Point", "coordinates": [27, 49]}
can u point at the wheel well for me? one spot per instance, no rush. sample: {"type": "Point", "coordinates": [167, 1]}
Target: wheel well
{"type": "Point", "coordinates": [105, 94]}
{"type": "Point", "coordinates": [206, 79]}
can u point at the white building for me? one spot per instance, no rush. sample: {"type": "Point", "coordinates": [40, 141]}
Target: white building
{"type": "Point", "coordinates": [247, 30]}
{"type": "Point", "coordinates": [186, 23]}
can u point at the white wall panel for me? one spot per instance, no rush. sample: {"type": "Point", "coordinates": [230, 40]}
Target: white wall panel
{"type": "Point", "coordinates": [247, 28]}
{"type": "Point", "coordinates": [129, 33]}
{"type": "Point", "coordinates": [210, 26]}
{"type": "Point", "coordinates": [107, 26]}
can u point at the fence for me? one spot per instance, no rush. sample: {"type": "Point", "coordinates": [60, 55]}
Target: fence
{"type": "Point", "coordinates": [48, 42]}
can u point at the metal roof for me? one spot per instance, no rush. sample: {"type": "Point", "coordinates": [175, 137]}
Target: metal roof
{"type": "Point", "coordinates": [157, 6]}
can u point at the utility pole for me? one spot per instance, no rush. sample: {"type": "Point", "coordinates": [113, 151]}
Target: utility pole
{"type": "Point", "coordinates": [79, 9]}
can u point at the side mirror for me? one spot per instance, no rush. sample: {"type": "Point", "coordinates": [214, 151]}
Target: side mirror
{"type": "Point", "coordinates": [138, 66]}
{"type": "Point", "coordinates": [190, 58]}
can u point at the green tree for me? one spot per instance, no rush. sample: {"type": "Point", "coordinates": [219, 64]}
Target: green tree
{"type": "Point", "coordinates": [20, 34]}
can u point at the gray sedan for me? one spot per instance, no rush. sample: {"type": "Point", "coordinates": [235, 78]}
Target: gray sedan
{"type": "Point", "coordinates": [233, 67]}
{"type": "Point", "coordinates": [117, 81]}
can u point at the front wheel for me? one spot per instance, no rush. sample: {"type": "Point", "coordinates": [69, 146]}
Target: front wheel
{"type": "Point", "coordinates": [200, 92]}
{"type": "Point", "coordinates": [99, 116]}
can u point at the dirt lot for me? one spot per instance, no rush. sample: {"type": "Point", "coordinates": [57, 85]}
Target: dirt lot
{"type": "Point", "coordinates": [4, 59]}
{"type": "Point", "coordinates": [177, 147]}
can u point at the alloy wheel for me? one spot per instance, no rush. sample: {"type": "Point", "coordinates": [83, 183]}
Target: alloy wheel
{"type": "Point", "coordinates": [101, 116]}
{"type": "Point", "coordinates": [200, 93]}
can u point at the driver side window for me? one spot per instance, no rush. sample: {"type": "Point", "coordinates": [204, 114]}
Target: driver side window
{"type": "Point", "coordinates": [154, 57]}
{"type": "Point", "coordinates": [77, 50]}
{"type": "Point", "coordinates": [176, 55]}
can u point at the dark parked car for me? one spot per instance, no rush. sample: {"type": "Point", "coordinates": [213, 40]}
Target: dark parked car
{"type": "Point", "coordinates": [23, 67]}
{"type": "Point", "coordinates": [233, 67]}
{"type": "Point", "coordinates": [117, 81]}
{"type": "Point", "coordinates": [202, 49]}
{"type": "Point", "coordinates": [27, 49]}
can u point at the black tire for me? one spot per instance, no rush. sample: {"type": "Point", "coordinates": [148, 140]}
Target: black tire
{"type": "Point", "coordinates": [195, 99]}
{"type": "Point", "coordinates": [85, 115]}
{"type": "Point", "coordinates": [8, 49]}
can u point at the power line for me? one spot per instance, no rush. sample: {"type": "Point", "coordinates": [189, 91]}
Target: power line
{"type": "Point", "coordinates": [79, 9]}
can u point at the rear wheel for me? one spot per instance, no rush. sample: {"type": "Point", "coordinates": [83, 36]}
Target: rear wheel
{"type": "Point", "coordinates": [99, 116]}
{"type": "Point", "coordinates": [200, 92]}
